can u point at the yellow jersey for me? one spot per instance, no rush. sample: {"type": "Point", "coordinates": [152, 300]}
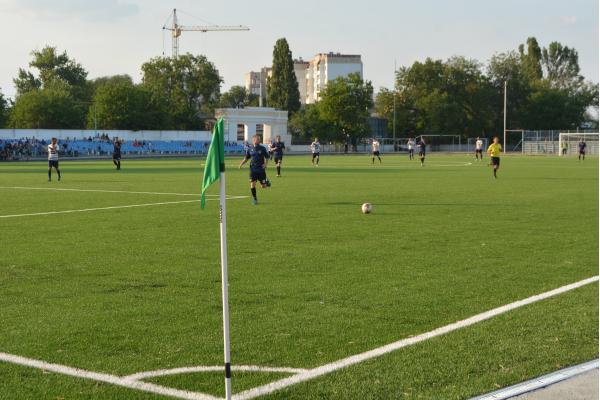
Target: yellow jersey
{"type": "Point", "coordinates": [495, 149]}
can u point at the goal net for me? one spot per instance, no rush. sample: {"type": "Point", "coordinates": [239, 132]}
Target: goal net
{"type": "Point", "coordinates": [568, 143]}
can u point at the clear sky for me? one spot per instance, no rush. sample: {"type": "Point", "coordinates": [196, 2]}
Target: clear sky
{"type": "Point", "coordinates": [111, 37]}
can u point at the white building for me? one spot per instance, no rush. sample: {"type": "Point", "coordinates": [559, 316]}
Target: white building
{"type": "Point", "coordinates": [256, 82]}
{"type": "Point", "coordinates": [325, 67]}
{"type": "Point", "coordinates": [243, 123]}
{"type": "Point", "coordinates": [312, 76]}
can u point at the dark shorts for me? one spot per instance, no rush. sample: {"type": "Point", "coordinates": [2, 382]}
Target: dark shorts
{"type": "Point", "coordinates": [478, 151]}
{"type": "Point", "coordinates": [278, 159]}
{"type": "Point", "coordinates": [258, 176]}
{"type": "Point", "coordinates": [116, 156]}
{"type": "Point", "coordinates": [422, 154]}
{"type": "Point", "coordinates": [316, 155]}
{"type": "Point", "coordinates": [496, 161]}
{"type": "Point", "coordinates": [582, 152]}
{"type": "Point", "coordinates": [52, 163]}
{"type": "Point", "coordinates": [376, 153]}
{"type": "Point", "coordinates": [411, 151]}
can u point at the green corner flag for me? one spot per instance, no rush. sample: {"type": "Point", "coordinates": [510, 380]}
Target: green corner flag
{"type": "Point", "coordinates": [215, 159]}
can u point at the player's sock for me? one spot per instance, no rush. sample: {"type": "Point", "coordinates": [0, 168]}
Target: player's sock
{"type": "Point", "coordinates": [495, 176]}
{"type": "Point", "coordinates": [58, 172]}
{"type": "Point", "coordinates": [49, 175]}
{"type": "Point", "coordinates": [379, 159]}
{"type": "Point", "coordinates": [253, 190]}
{"type": "Point", "coordinates": [118, 164]}
{"type": "Point", "coordinates": [278, 170]}
{"type": "Point", "coordinates": [115, 162]}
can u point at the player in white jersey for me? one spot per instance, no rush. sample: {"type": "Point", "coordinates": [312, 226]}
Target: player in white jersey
{"type": "Point", "coordinates": [479, 149]}
{"type": "Point", "coordinates": [315, 147]}
{"type": "Point", "coordinates": [375, 151]}
{"type": "Point", "coordinates": [411, 148]}
{"type": "Point", "coordinates": [53, 149]}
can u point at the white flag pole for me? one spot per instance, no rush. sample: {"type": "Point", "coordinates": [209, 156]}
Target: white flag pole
{"type": "Point", "coordinates": [225, 288]}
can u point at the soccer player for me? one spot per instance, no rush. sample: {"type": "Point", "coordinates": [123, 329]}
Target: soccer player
{"type": "Point", "coordinates": [422, 147]}
{"type": "Point", "coordinates": [277, 148]}
{"type": "Point", "coordinates": [258, 157]}
{"type": "Point", "coordinates": [117, 153]}
{"type": "Point", "coordinates": [565, 147]}
{"type": "Point", "coordinates": [494, 151]}
{"type": "Point", "coordinates": [582, 146]}
{"type": "Point", "coordinates": [411, 148]}
{"type": "Point", "coordinates": [479, 149]}
{"type": "Point", "coordinates": [375, 151]}
{"type": "Point", "coordinates": [53, 149]}
{"type": "Point", "coordinates": [315, 147]}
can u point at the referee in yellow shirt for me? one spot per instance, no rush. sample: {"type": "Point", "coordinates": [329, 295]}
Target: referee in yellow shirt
{"type": "Point", "coordinates": [494, 152]}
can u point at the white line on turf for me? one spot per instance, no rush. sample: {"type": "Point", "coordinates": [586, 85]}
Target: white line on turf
{"type": "Point", "coordinates": [103, 191]}
{"type": "Point", "coordinates": [107, 378]}
{"type": "Point", "coordinates": [113, 207]}
{"type": "Point", "coordinates": [302, 375]}
{"type": "Point", "coordinates": [358, 358]}
{"type": "Point", "coordinates": [216, 368]}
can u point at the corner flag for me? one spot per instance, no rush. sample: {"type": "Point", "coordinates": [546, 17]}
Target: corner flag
{"type": "Point", "coordinates": [215, 159]}
{"type": "Point", "coordinates": [213, 170]}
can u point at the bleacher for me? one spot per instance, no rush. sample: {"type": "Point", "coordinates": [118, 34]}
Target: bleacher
{"type": "Point", "coordinates": [79, 148]}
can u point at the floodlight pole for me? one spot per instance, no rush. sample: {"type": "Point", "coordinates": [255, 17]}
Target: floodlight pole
{"type": "Point", "coordinates": [394, 123]}
{"type": "Point", "coordinates": [504, 142]}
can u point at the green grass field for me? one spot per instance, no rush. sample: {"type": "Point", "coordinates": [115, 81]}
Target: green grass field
{"type": "Point", "coordinates": [312, 279]}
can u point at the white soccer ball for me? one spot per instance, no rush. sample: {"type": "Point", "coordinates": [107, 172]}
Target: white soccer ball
{"type": "Point", "coordinates": [367, 208]}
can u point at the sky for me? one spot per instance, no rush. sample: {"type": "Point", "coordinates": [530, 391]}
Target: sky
{"type": "Point", "coordinates": [110, 37]}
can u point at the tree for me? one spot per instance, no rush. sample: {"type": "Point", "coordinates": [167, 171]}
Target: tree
{"type": "Point", "coordinates": [189, 85]}
{"type": "Point", "coordinates": [4, 111]}
{"type": "Point", "coordinates": [109, 80]}
{"type": "Point", "coordinates": [531, 60]}
{"type": "Point", "coordinates": [53, 69]}
{"type": "Point", "coordinates": [123, 105]}
{"type": "Point", "coordinates": [49, 108]}
{"type": "Point", "coordinates": [283, 92]}
{"type": "Point", "coordinates": [561, 64]}
{"type": "Point", "coordinates": [238, 96]}
{"type": "Point", "coordinates": [308, 123]}
{"type": "Point", "coordinates": [345, 103]}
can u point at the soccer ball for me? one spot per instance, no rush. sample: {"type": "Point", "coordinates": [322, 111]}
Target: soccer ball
{"type": "Point", "coordinates": [367, 208]}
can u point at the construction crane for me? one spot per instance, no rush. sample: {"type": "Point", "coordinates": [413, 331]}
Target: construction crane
{"type": "Point", "coordinates": [176, 30]}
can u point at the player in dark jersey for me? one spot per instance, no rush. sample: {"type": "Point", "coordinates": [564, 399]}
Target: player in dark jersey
{"type": "Point", "coordinates": [117, 153]}
{"type": "Point", "coordinates": [582, 145]}
{"type": "Point", "coordinates": [422, 147]}
{"type": "Point", "coordinates": [277, 148]}
{"type": "Point", "coordinates": [258, 157]}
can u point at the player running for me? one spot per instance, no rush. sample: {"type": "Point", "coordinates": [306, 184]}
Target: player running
{"type": "Point", "coordinates": [277, 147]}
{"type": "Point", "coordinates": [422, 147]}
{"type": "Point", "coordinates": [53, 149]}
{"type": "Point", "coordinates": [479, 149]}
{"type": "Point", "coordinates": [411, 148]}
{"type": "Point", "coordinates": [315, 147]}
{"type": "Point", "coordinates": [258, 157]}
{"type": "Point", "coordinates": [494, 151]}
{"type": "Point", "coordinates": [375, 151]}
{"type": "Point", "coordinates": [117, 153]}
{"type": "Point", "coordinates": [582, 145]}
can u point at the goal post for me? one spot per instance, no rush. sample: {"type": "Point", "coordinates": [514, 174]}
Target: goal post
{"type": "Point", "coordinates": [568, 143]}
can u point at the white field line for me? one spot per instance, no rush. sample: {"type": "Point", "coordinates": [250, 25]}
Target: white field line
{"type": "Point", "coordinates": [107, 378]}
{"type": "Point", "coordinates": [302, 375]}
{"type": "Point", "coordinates": [103, 191]}
{"type": "Point", "coordinates": [358, 358]}
{"type": "Point", "coordinates": [113, 207]}
{"type": "Point", "coordinates": [216, 368]}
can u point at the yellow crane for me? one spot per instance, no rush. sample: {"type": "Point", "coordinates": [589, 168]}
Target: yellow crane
{"type": "Point", "coordinates": [176, 30]}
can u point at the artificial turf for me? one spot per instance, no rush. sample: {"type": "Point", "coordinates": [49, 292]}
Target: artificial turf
{"type": "Point", "coordinates": [312, 280]}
